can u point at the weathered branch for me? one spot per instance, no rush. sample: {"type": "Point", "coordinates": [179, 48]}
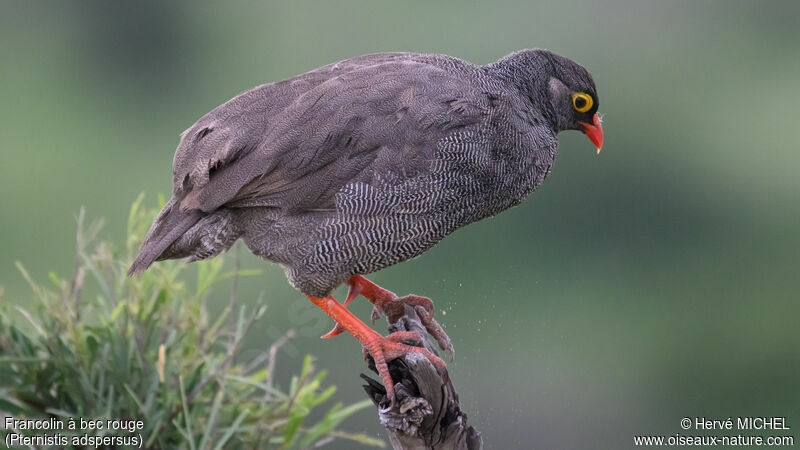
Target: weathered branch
{"type": "Point", "coordinates": [426, 414]}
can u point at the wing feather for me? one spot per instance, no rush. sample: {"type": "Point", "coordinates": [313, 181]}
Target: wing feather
{"type": "Point", "coordinates": [294, 144]}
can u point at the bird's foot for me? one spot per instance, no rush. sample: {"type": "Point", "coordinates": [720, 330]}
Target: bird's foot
{"type": "Point", "coordinates": [393, 307]}
{"type": "Point", "coordinates": [381, 349]}
{"type": "Point", "coordinates": [396, 345]}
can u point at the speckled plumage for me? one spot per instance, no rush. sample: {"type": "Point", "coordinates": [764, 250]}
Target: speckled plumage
{"type": "Point", "coordinates": [364, 163]}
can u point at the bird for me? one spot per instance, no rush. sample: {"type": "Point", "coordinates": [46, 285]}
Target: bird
{"type": "Point", "coordinates": [365, 163]}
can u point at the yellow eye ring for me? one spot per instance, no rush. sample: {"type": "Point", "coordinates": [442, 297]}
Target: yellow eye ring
{"type": "Point", "coordinates": [582, 102]}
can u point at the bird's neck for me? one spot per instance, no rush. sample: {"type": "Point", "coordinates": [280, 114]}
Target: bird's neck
{"type": "Point", "coordinates": [529, 71]}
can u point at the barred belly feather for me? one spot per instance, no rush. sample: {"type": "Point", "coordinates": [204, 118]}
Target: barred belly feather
{"type": "Point", "coordinates": [395, 219]}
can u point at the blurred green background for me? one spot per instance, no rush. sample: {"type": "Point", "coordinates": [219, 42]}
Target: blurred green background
{"type": "Point", "coordinates": [655, 281]}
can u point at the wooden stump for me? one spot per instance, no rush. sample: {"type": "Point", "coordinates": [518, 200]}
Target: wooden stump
{"type": "Point", "coordinates": [426, 414]}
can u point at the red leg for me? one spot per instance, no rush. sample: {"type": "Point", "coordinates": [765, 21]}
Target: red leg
{"type": "Point", "coordinates": [337, 329]}
{"type": "Point", "coordinates": [388, 303]}
{"type": "Point", "coordinates": [382, 349]}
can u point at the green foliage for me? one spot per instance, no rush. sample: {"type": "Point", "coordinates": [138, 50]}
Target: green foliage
{"type": "Point", "coordinates": [145, 348]}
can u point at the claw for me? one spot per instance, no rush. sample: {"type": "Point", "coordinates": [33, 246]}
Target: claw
{"type": "Point", "coordinates": [435, 329]}
{"type": "Point", "coordinates": [352, 293]}
{"type": "Point", "coordinates": [335, 331]}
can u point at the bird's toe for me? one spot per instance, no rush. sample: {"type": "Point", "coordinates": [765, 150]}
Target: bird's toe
{"type": "Point", "coordinates": [397, 345]}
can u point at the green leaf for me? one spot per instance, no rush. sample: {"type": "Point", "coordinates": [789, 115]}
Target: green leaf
{"type": "Point", "coordinates": [331, 420]}
{"type": "Point", "coordinates": [187, 417]}
{"type": "Point", "coordinates": [232, 429]}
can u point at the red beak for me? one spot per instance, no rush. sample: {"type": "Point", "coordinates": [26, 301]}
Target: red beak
{"type": "Point", "coordinates": [594, 131]}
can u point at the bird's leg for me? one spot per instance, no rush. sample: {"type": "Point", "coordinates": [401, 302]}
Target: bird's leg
{"type": "Point", "coordinates": [382, 349]}
{"type": "Point", "coordinates": [388, 303]}
{"type": "Point", "coordinates": [337, 329]}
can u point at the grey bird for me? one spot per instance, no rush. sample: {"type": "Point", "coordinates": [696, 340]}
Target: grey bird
{"type": "Point", "coordinates": [367, 162]}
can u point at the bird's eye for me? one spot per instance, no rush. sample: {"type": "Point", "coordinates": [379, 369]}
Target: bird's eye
{"type": "Point", "coordinates": [582, 102]}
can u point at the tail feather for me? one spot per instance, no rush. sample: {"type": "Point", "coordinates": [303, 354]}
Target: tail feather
{"type": "Point", "coordinates": [170, 224]}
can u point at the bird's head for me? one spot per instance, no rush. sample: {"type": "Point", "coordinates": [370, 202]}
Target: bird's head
{"type": "Point", "coordinates": [560, 83]}
{"type": "Point", "coordinates": [573, 97]}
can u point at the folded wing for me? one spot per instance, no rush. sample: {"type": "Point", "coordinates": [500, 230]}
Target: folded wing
{"type": "Point", "coordinates": [292, 145]}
